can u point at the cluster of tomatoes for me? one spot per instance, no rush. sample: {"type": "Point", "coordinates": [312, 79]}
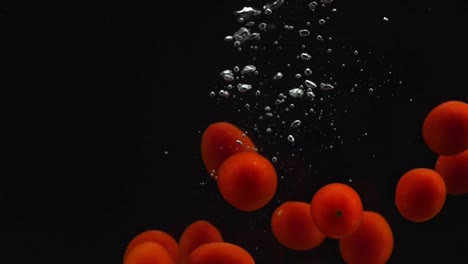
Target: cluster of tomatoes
{"type": "Point", "coordinates": [248, 181]}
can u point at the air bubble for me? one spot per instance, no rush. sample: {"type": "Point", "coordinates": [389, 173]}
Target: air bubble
{"type": "Point", "coordinates": [310, 84]}
{"type": "Point", "coordinates": [304, 32]}
{"type": "Point", "coordinates": [326, 86]}
{"type": "Point", "coordinates": [227, 75]}
{"type": "Point", "coordinates": [223, 93]}
{"type": "Point", "coordinates": [248, 69]}
{"type": "Point", "coordinates": [296, 123]}
{"type": "Point", "coordinates": [242, 87]}
{"type": "Point", "coordinates": [305, 56]}
{"type": "Point", "coordinates": [278, 76]}
{"type": "Point", "coordinates": [296, 93]}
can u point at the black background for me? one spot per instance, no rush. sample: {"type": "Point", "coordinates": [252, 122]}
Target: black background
{"type": "Point", "coordinates": [105, 90]}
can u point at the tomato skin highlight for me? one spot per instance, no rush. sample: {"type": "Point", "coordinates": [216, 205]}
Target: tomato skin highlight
{"type": "Point", "coordinates": [220, 253]}
{"type": "Point", "coordinates": [157, 236]}
{"type": "Point", "coordinates": [247, 181]}
{"type": "Point", "coordinates": [371, 243]}
{"type": "Point", "coordinates": [196, 234]}
{"type": "Point", "coordinates": [219, 141]}
{"type": "Point", "coordinates": [293, 227]}
{"type": "Point", "coordinates": [148, 253]}
{"type": "Point", "coordinates": [336, 210]}
{"type": "Point", "coordinates": [445, 128]}
{"type": "Point", "coordinates": [454, 171]}
{"type": "Point", "coordinates": [420, 194]}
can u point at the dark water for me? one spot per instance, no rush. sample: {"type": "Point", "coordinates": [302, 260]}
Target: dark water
{"type": "Point", "coordinates": [112, 100]}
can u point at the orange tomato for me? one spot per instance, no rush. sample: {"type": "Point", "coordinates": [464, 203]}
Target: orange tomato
{"type": "Point", "coordinates": [336, 210]}
{"type": "Point", "coordinates": [247, 180]}
{"type": "Point", "coordinates": [293, 227]}
{"type": "Point", "coordinates": [420, 194]}
{"type": "Point", "coordinates": [445, 128]}
{"type": "Point", "coordinates": [454, 170]}
{"type": "Point", "coordinates": [370, 243]}
{"type": "Point", "coordinates": [148, 253]}
{"type": "Point", "coordinates": [219, 141]}
{"type": "Point", "coordinates": [220, 253]}
{"type": "Point", "coordinates": [196, 234]}
{"type": "Point", "coordinates": [156, 236]}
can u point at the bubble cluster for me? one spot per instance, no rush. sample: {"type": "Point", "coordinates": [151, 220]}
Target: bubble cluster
{"type": "Point", "coordinates": [296, 81]}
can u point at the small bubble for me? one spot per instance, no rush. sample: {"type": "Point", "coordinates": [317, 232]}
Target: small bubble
{"type": "Point", "coordinates": [250, 23]}
{"type": "Point", "coordinates": [313, 5]}
{"type": "Point", "coordinates": [227, 75]}
{"type": "Point", "coordinates": [212, 94]}
{"type": "Point", "coordinates": [307, 71]}
{"type": "Point", "coordinates": [291, 138]}
{"type": "Point", "coordinates": [242, 87]}
{"type": "Point", "coordinates": [278, 76]}
{"type": "Point", "coordinates": [223, 93]}
{"type": "Point", "coordinates": [321, 21]}
{"type": "Point", "coordinates": [298, 75]}
{"type": "Point", "coordinates": [296, 93]}
{"type": "Point", "coordinates": [296, 123]}
{"type": "Point", "coordinates": [304, 32]}
{"type": "Point", "coordinates": [305, 56]}
{"type": "Point", "coordinates": [310, 84]}
{"type": "Point", "coordinates": [371, 90]}
{"type": "Point", "coordinates": [355, 52]}
{"type": "Point", "coordinates": [248, 69]}
{"type": "Point", "coordinates": [274, 159]}
{"type": "Point", "coordinates": [319, 37]}
{"type": "Point", "coordinates": [326, 86]}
